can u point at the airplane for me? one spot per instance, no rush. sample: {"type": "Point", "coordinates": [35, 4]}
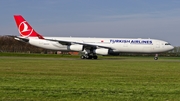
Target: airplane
{"type": "Point", "coordinates": [90, 47]}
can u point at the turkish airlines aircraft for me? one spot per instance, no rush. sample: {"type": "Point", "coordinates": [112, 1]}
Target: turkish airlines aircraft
{"type": "Point", "coordinates": [90, 47]}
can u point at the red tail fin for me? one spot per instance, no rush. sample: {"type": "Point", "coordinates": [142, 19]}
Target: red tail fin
{"type": "Point", "coordinates": [24, 28]}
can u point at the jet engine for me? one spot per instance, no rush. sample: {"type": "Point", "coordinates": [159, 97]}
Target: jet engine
{"type": "Point", "coordinates": [75, 47]}
{"type": "Point", "coordinates": [103, 51]}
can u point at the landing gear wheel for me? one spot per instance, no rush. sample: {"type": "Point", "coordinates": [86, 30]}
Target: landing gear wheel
{"type": "Point", "coordinates": [88, 57]}
{"type": "Point", "coordinates": [155, 58]}
{"type": "Point", "coordinates": [82, 57]}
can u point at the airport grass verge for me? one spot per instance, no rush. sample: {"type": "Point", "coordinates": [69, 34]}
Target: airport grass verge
{"type": "Point", "coordinates": [11, 54]}
{"type": "Point", "coordinates": [122, 78]}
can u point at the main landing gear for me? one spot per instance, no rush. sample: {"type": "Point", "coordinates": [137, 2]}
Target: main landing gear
{"type": "Point", "coordinates": [85, 56]}
{"type": "Point", "coordinates": [88, 54]}
{"type": "Point", "coordinates": [156, 57]}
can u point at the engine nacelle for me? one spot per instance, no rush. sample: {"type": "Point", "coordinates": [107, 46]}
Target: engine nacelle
{"type": "Point", "coordinates": [101, 51]}
{"type": "Point", "coordinates": [75, 47]}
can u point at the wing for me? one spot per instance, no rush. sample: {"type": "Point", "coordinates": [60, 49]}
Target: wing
{"type": "Point", "coordinates": [23, 39]}
{"type": "Point", "coordinates": [86, 45]}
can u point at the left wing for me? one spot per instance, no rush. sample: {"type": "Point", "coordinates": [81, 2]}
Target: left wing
{"type": "Point", "coordinates": [86, 45]}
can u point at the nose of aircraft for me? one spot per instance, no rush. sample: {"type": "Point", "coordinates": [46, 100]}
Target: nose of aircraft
{"type": "Point", "coordinates": [171, 47]}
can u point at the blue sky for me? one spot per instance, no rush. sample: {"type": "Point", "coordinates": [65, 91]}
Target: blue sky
{"type": "Point", "coordinates": [159, 19]}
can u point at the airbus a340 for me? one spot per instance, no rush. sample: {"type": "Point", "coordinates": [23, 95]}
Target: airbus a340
{"type": "Point", "coordinates": [90, 47]}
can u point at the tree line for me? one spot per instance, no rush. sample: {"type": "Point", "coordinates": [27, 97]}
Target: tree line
{"type": "Point", "coordinates": [9, 44]}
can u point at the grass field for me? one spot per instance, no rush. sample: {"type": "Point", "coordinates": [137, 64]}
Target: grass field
{"type": "Point", "coordinates": [106, 79]}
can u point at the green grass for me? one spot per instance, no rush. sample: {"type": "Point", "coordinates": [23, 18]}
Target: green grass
{"type": "Point", "coordinates": [9, 54]}
{"type": "Point", "coordinates": [106, 79]}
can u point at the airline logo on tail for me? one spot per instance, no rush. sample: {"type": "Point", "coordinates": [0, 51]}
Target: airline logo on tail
{"type": "Point", "coordinates": [24, 30]}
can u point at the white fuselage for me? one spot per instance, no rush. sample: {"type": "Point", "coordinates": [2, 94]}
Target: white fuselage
{"type": "Point", "coordinates": [116, 44]}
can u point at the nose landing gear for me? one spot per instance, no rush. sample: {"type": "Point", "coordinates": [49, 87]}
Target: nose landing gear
{"type": "Point", "coordinates": [156, 57]}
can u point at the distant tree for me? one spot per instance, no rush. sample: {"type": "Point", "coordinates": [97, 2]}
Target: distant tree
{"type": "Point", "coordinates": [9, 44]}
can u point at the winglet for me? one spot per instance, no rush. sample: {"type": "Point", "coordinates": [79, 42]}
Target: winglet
{"type": "Point", "coordinates": [24, 28]}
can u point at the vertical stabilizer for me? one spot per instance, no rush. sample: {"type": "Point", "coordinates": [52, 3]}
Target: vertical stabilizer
{"type": "Point", "coordinates": [24, 28]}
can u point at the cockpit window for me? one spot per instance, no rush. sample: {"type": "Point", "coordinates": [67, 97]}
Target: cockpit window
{"type": "Point", "coordinates": [167, 44]}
